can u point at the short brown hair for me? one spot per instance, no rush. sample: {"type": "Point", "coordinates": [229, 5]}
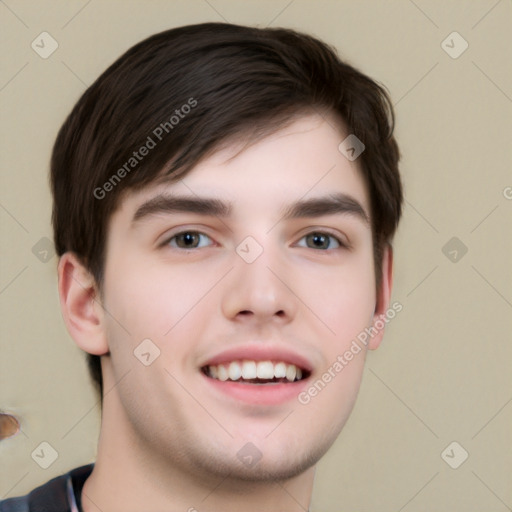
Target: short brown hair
{"type": "Point", "coordinates": [198, 87]}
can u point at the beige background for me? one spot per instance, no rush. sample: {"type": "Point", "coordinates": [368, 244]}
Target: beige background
{"type": "Point", "coordinates": [443, 371]}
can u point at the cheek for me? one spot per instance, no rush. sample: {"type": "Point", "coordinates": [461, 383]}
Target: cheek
{"type": "Point", "coordinates": [343, 299]}
{"type": "Point", "coordinates": [350, 311]}
{"type": "Point", "coordinates": [347, 310]}
{"type": "Point", "coordinates": [327, 403]}
{"type": "Point", "coordinates": [153, 300]}
{"type": "Point", "coordinates": [346, 304]}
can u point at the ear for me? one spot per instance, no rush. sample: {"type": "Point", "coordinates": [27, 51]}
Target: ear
{"type": "Point", "coordinates": [80, 305]}
{"type": "Point", "coordinates": [383, 297]}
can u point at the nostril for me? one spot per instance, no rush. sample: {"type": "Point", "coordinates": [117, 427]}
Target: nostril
{"type": "Point", "coordinates": [9, 425]}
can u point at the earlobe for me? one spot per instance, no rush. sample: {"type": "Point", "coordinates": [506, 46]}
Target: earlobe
{"type": "Point", "coordinates": [383, 298]}
{"type": "Point", "coordinates": [80, 305]}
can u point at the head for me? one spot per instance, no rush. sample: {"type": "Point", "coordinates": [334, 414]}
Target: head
{"type": "Point", "coordinates": [240, 115]}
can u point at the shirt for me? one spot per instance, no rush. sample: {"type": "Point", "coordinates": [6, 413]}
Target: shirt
{"type": "Point", "coordinates": [61, 494]}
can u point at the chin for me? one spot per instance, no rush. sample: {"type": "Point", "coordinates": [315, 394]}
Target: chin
{"type": "Point", "coordinates": [271, 464]}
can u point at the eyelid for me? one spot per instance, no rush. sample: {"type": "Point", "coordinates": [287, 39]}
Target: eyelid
{"type": "Point", "coordinates": [200, 235]}
{"type": "Point", "coordinates": [180, 230]}
{"type": "Point", "coordinates": [340, 237]}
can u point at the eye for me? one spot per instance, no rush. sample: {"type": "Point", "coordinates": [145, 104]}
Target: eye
{"type": "Point", "coordinates": [188, 240]}
{"type": "Point", "coordinates": [320, 240]}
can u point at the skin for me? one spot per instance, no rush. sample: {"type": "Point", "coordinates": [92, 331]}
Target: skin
{"type": "Point", "coordinates": [168, 440]}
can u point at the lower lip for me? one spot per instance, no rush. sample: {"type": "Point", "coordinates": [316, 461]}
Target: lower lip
{"type": "Point", "coordinates": [258, 394]}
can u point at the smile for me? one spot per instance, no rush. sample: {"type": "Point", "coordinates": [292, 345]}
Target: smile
{"type": "Point", "coordinates": [256, 372]}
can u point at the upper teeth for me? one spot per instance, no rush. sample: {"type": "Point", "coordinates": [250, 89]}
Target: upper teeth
{"type": "Point", "coordinates": [254, 369]}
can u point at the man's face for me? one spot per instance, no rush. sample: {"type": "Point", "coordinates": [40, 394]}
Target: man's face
{"type": "Point", "coordinates": [218, 292]}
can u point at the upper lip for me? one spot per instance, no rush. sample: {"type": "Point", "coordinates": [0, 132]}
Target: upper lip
{"type": "Point", "coordinates": [260, 352]}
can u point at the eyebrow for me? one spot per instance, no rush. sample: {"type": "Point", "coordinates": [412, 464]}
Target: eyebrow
{"type": "Point", "coordinates": [332, 204]}
{"type": "Point", "coordinates": [166, 203]}
{"type": "Point", "coordinates": [315, 207]}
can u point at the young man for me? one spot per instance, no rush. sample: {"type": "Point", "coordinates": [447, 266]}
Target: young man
{"type": "Point", "coordinates": [224, 202]}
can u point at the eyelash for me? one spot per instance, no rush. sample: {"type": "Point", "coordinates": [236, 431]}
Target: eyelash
{"type": "Point", "coordinates": [341, 244]}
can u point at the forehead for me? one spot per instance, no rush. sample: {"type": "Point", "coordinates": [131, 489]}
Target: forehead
{"type": "Point", "coordinates": [301, 160]}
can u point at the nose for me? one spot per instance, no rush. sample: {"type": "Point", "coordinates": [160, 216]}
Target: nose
{"type": "Point", "coordinates": [261, 291]}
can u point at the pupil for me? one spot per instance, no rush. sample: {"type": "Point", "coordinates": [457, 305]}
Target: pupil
{"type": "Point", "coordinates": [188, 239]}
{"type": "Point", "coordinates": [319, 240]}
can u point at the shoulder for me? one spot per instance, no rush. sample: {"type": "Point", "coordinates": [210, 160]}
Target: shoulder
{"type": "Point", "coordinates": [53, 496]}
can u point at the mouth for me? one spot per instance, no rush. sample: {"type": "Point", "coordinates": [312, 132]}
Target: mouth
{"type": "Point", "coordinates": [260, 373]}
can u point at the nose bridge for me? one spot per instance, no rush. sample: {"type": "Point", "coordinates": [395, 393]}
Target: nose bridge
{"type": "Point", "coordinates": [258, 280]}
